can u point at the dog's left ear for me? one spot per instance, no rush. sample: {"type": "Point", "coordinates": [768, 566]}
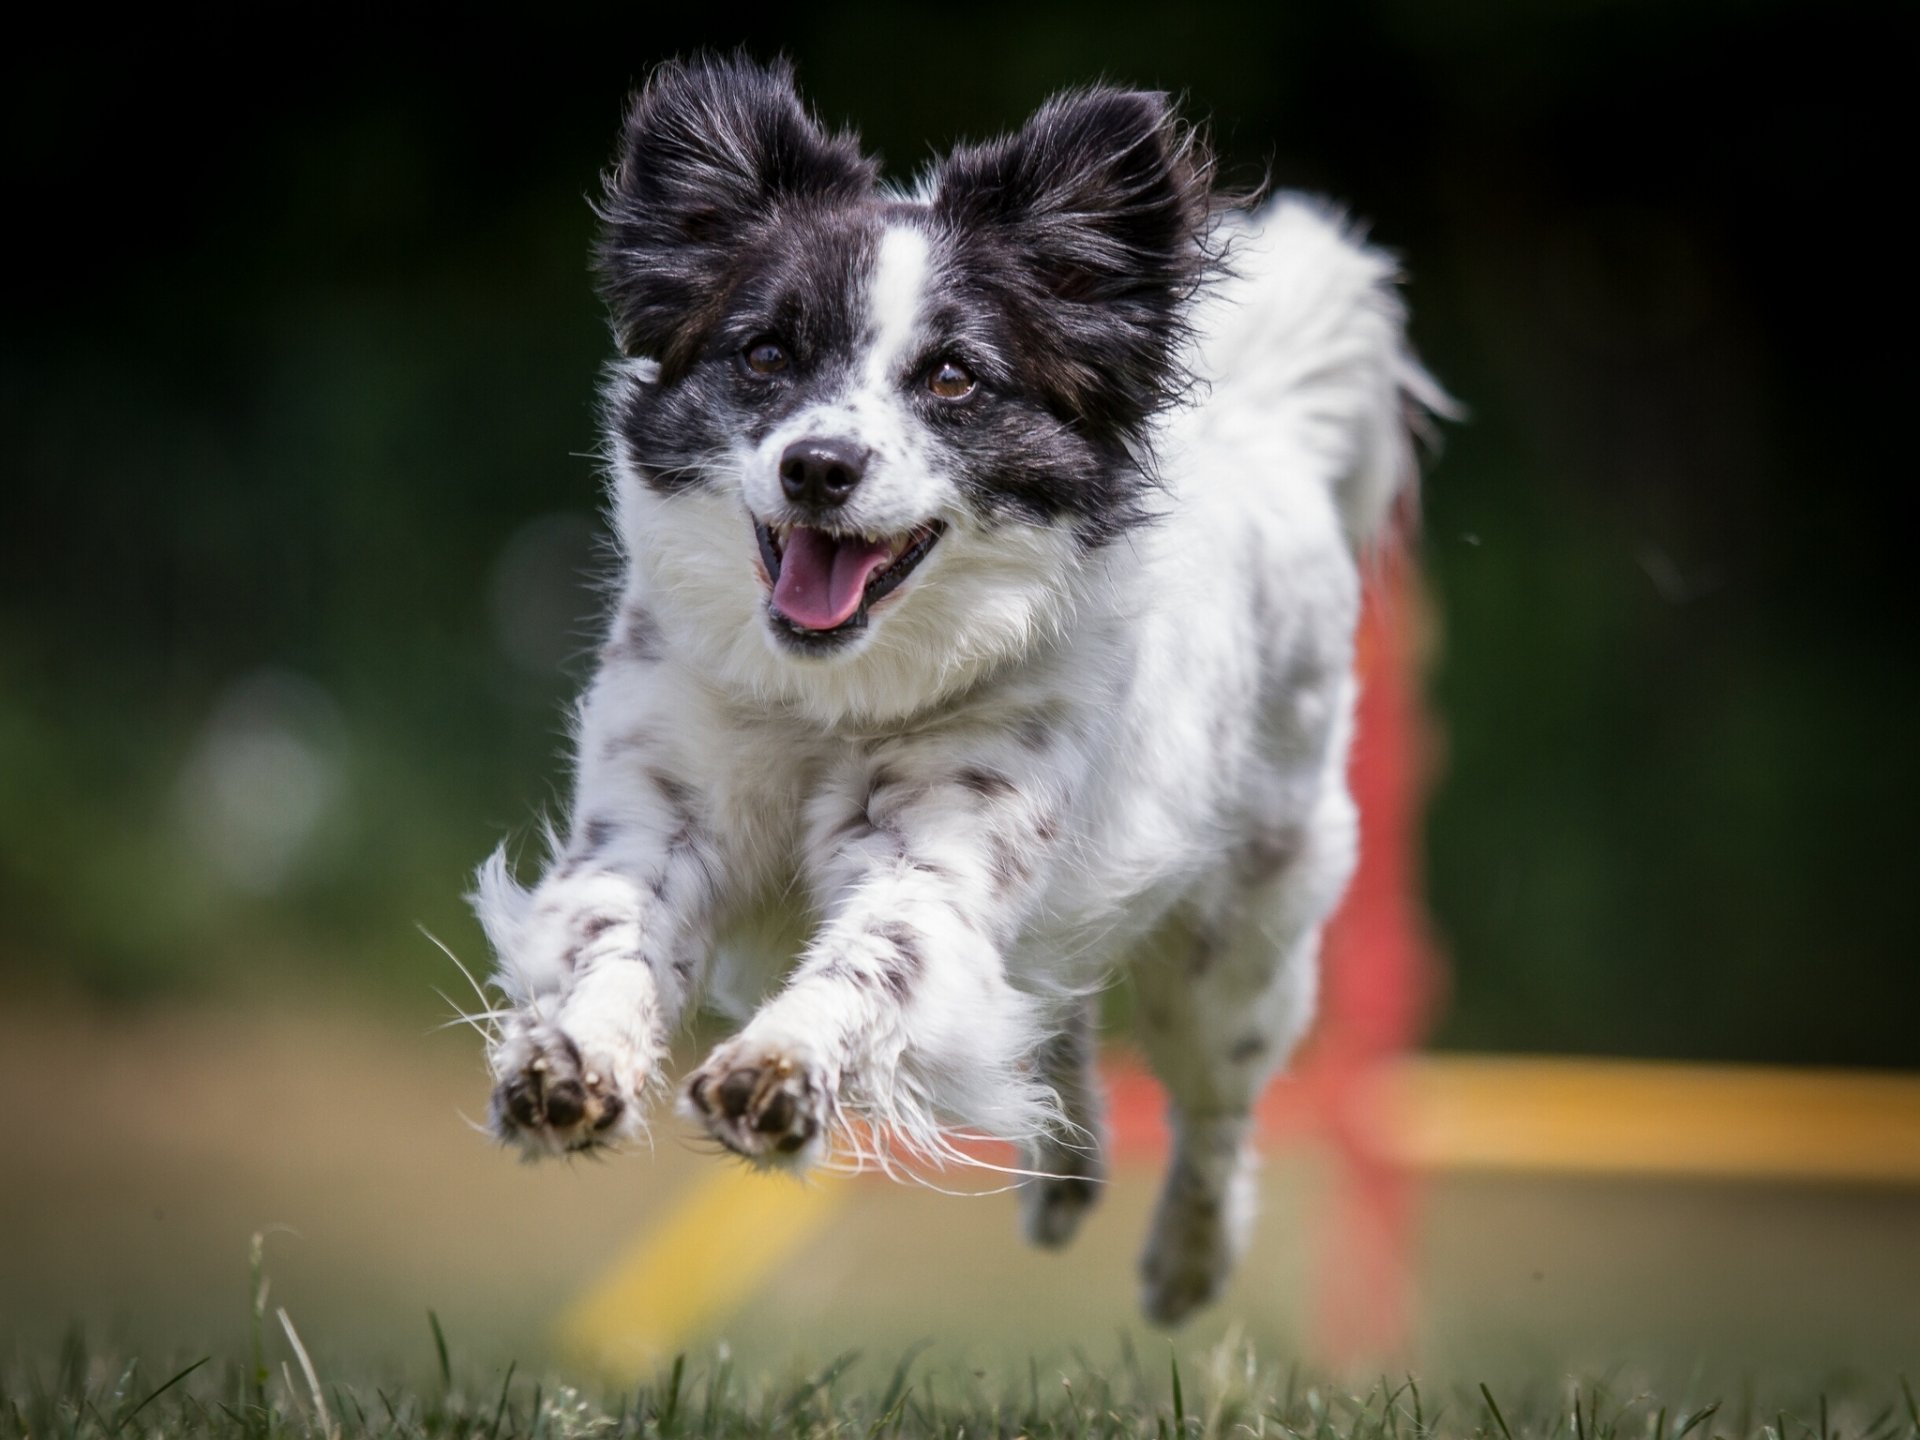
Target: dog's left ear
{"type": "Point", "coordinates": [713, 151]}
{"type": "Point", "coordinates": [1102, 202]}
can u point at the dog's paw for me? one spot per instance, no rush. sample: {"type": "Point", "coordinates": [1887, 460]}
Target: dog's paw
{"type": "Point", "coordinates": [1069, 1185]}
{"type": "Point", "coordinates": [1197, 1235]}
{"type": "Point", "coordinates": [1051, 1209]}
{"type": "Point", "coordinates": [763, 1102]}
{"type": "Point", "coordinates": [556, 1096]}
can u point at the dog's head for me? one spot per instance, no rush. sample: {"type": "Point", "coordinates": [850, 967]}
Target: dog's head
{"type": "Point", "coordinates": [865, 443]}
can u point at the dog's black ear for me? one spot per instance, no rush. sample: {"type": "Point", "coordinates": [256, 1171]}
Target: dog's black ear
{"type": "Point", "coordinates": [1102, 205]}
{"type": "Point", "coordinates": [713, 150]}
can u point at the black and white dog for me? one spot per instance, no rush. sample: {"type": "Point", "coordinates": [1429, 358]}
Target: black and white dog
{"type": "Point", "coordinates": [993, 555]}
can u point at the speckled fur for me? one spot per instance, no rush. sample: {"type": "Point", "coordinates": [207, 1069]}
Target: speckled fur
{"type": "Point", "coordinates": [1101, 730]}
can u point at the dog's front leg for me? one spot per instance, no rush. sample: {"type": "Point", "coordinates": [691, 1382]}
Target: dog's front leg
{"type": "Point", "coordinates": [901, 1011]}
{"type": "Point", "coordinates": [599, 960]}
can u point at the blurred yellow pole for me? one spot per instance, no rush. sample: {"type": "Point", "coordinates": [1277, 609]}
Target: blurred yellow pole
{"type": "Point", "coordinates": [1482, 1112]}
{"type": "Point", "coordinates": [1532, 1114]}
{"type": "Point", "coordinates": [692, 1267]}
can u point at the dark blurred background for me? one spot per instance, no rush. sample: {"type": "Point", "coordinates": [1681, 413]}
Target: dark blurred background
{"type": "Point", "coordinates": [296, 390]}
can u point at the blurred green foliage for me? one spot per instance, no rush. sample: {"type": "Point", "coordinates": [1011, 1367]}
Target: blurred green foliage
{"type": "Point", "coordinates": [296, 394]}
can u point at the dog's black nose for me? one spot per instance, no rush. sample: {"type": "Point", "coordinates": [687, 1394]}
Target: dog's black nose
{"type": "Point", "coordinates": [821, 473]}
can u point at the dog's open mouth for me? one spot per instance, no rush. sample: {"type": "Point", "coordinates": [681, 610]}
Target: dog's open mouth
{"type": "Point", "coordinates": [823, 583]}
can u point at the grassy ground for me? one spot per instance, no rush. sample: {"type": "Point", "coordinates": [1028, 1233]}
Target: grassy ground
{"type": "Point", "coordinates": [147, 1148]}
{"type": "Point", "coordinates": [1228, 1392]}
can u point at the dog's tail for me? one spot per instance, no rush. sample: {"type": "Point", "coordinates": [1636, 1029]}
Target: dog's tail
{"type": "Point", "coordinates": [1308, 331]}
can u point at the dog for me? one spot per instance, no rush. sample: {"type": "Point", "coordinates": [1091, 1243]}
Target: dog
{"type": "Point", "coordinates": [992, 557]}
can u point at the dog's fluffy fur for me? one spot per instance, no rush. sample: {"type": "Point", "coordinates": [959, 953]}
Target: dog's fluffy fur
{"type": "Point", "coordinates": [993, 555]}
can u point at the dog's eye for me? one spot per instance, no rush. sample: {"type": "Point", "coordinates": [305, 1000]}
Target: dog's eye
{"type": "Point", "coordinates": [764, 357]}
{"type": "Point", "coordinates": [950, 380]}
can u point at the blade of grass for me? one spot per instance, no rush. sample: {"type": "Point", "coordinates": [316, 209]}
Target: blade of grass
{"type": "Point", "coordinates": [1871, 1430]}
{"type": "Point", "coordinates": [716, 1387]}
{"type": "Point", "coordinates": [500, 1410]}
{"type": "Point", "coordinates": [834, 1369]}
{"type": "Point", "coordinates": [672, 1410]}
{"type": "Point", "coordinates": [256, 1396]}
{"type": "Point", "coordinates": [155, 1393]}
{"type": "Point", "coordinates": [70, 1378]}
{"type": "Point", "coordinates": [87, 1407]}
{"type": "Point", "coordinates": [1498, 1418]}
{"type": "Point", "coordinates": [888, 1416]}
{"type": "Point", "coordinates": [897, 1386]}
{"type": "Point", "coordinates": [1693, 1421]}
{"type": "Point", "coordinates": [1390, 1408]}
{"type": "Point", "coordinates": [440, 1352]}
{"type": "Point", "coordinates": [327, 1427]}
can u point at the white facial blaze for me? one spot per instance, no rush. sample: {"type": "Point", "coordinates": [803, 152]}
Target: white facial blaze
{"type": "Point", "coordinates": [873, 411]}
{"type": "Point", "coordinates": [893, 304]}
{"type": "Point", "coordinates": [899, 492]}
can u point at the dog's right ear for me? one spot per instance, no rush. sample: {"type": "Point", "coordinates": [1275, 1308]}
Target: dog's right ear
{"type": "Point", "coordinates": [712, 151]}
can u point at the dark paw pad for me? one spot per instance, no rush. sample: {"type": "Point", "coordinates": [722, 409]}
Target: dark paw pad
{"type": "Point", "coordinates": [757, 1110]}
{"type": "Point", "coordinates": [554, 1101]}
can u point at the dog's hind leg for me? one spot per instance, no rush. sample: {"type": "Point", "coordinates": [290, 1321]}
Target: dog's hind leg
{"type": "Point", "coordinates": [1217, 1016]}
{"type": "Point", "coordinates": [1070, 1160]}
{"type": "Point", "coordinates": [1215, 1022]}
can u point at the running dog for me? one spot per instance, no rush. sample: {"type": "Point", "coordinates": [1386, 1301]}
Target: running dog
{"type": "Point", "coordinates": [993, 551]}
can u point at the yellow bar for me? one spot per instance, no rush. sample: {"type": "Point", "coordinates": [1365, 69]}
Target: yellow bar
{"type": "Point", "coordinates": [704, 1256]}
{"type": "Point", "coordinates": [724, 1235]}
{"type": "Point", "coordinates": [1628, 1117]}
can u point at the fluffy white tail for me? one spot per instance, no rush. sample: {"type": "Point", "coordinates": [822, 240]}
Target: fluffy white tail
{"type": "Point", "coordinates": [1307, 330]}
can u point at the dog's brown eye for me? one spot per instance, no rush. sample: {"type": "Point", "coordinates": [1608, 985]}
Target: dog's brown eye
{"type": "Point", "coordinates": [765, 357]}
{"type": "Point", "coordinates": [950, 381]}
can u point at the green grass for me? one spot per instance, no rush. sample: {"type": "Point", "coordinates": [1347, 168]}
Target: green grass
{"type": "Point", "coordinates": [276, 1392]}
{"type": "Point", "coordinates": [86, 1395]}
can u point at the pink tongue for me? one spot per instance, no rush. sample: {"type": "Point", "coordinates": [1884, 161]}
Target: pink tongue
{"type": "Point", "coordinates": [822, 576]}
